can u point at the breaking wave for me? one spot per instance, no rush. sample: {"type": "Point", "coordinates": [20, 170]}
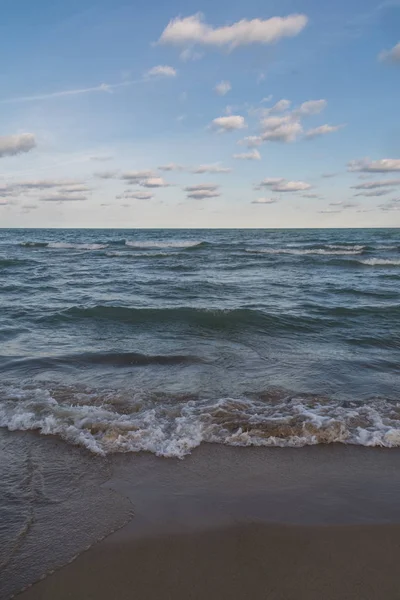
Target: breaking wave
{"type": "Point", "coordinates": [106, 423]}
{"type": "Point", "coordinates": [381, 262]}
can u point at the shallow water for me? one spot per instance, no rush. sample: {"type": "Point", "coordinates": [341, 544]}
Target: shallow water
{"type": "Point", "coordinates": [159, 340]}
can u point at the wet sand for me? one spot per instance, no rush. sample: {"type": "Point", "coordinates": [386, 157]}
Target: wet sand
{"type": "Point", "coordinates": [245, 561]}
{"type": "Point", "coordinates": [312, 523]}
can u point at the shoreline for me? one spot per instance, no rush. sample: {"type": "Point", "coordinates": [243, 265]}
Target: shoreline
{"type": "Point", "coordinates": [225, 522]}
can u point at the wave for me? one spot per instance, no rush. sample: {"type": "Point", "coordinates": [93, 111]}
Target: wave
{"type": "Point", "coordinates": [381, 262]}
{"type": "Point", "coordinates": [127, 254]}
{"type": "Point", "coordinates": [197, 317]}
{"type": "Point", "coordinates": [168, 244]}
{"type": "Point", "coordinates": [331, 250]}
{"type": "Point", "coordinates": [64, 245]}
{"type": "Point", "coordinates": [14, 262]}
{"type": "Point", "coordinates": [107, 424]}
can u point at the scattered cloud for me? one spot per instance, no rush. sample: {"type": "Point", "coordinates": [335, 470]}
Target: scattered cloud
{"type": "Point", "coordinates": [311, 107]}
{"type": "Point", "coordinates": [344, 205]}
{"type": "Point", "coordinates": [215, 168]}
{"type": "Point", "coordinates": [281, 129]}
{"type": "Point", "coordinates": [211, 187]}
{"type": "Point", "coordinates": [251, 141]}
{"type": "Point", "coordinates": [329, 175]}
{"type": "Point", "coordinates": [135, 195]}
{"type": "Point", "coordinates": [264, 201]}
{"type": "Point", "coordinates": [162, 71]}
{"type": "Point", "coordinates": [384, 165]}
{"type": "Point", "coordinates": [229, 123]}
{"type": "Point", "coordinates": [11, 145]}
{"type": "Point", "coordinates": [311, 196]}
{"type": "Point", "coordinates": [391, 56]}
{"type": "Point", "coordinates": [374, 193]}
{"type": "Point", "coordinates": [266, 99]}
{"type": "Point", "coordinates": [190, 54]}
{"type": "Point", "coordinates": [171, 167]}
{"type": "Point", "coordinates": [153, 182]}
{"type": "Point", "coordinates": [106, 174]}
{"type": "Point", "coordinates": [223, 87]}
{"type": "Point", "coordinates": [194, 30]}
{"type": "Point", "coordinates": [282, 185]}
{"type": "Point", "coordinates": [253, 155]}
{"type": "Point", "coordinates": [73, 189]}
{"type": "Point", "coordinates": [63, 198]}
{"type": "Point", "coordinates": [280, 106]}
{"type": "Point", "coordinates": [371, 185]}
{"type": "Point", "coordinates": [104, 87]}
{"type": "Point", "coordinates": [137, 176]}
{"type": "Point", "coordinates": [322, 130]}
{"type": "Point", "coordinates": [203, 194]}
{"type": "Point", "coordinates": [330, 211]}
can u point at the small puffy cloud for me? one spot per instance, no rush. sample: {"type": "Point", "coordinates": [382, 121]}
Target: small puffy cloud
{"type": "Point", "coordinates": [384, 165]}
{"type": "Point", "coordinates": [372, 185]}
{"type": "Point", "coordinates": [311, 107]}
{"type": "Point", "coordinates": [280, 106]}
{"type": "Point", "coordinates": [73, 189]}
{"type": "Point", "coordinates": [266, 99]}
{"type": "Point", "coordinates": [229, 123]}
{"type": "Point", "coordinates": [190, 54]}
{"type": "Point", "coordinates": [194, 30]}
{"type": "Point", "coordinates": [162, 71]}
{"type": "Point", "coordinates": [63, 198]}
{"type": "Point", "coordinates": [251, 141]}
{"type": "Point", "coordinates": [282, 185]}
{"type": "Point", "coordinates": [253, 155]}
{"type": "Point", "coordinates": [322, 130]}
{"type": "Point", "coordinates": [135, 195]}
{"type": "Point", "coordinates": [374, 193]}
{"type": "Point", "coordinates": [391, 56]}
{"type": "Point", "coordinates": [136, 176]}
{"type": "Point", "coordinates": [264, 201]}
{"type": "Point", "coordinates": [222, 88]}
{"type": "Point", "coordinates": [201, 187]}
{"type": "Point", "coordinates": [11, 145]}
{"type": "Point", "coordinates": [106, 174]}
{"type": "Point", "coordinates": [203, 194]}
{"type": "Point", "coordinates": [215, 168]}
{"type": "Point", "coordinates": [281, 129]}
{"type": "Point", "coordinates": [45, 184]}
{"type": "Point", "coordinates": [171, 167]}
{"type": "Point", "coordinates": [153, 182]}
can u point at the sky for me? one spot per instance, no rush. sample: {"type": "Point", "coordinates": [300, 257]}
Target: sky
{"type": "Point", "coordinates": [187, 113]}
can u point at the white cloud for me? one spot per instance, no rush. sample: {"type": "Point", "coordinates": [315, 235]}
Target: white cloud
{"type": "Point", "coordinates": [391, 56]}
{"type": "Point", "coordinates": [215, 168]}
{"type": "Point", "coordinates": [171, 167]}
{"type": "Point", "coordinates": [136, 176]}
{"type": "Point", "coordinates": [153, 182]}
{"type": "Point", "coordinates": [201, 186]}
{"type": "Point", "coordinates": [193, 30]}
{"type": "Point", "coordinates": [311, 107]}
{"type": "Point", "coordinates": [374, 193]}
{"type": "Point", "coordinates": [251, 141]}
{"type": "Point", "coordinates": [63, 198]}
{"type": "Point", "coordinates": [190, 54]}
{"type": "Point", "coordinates": [280, 106]}
{"type": "Point", "coordinates": [385, 165]}
{"type": "Point", "coordinates": [203, 194]}
{"type": "Point", "coordinates": [74, 189]}
{"type": "Point", "coordinates": [135, 195]}
{"type": "Point", "coordinates": [282, 185]}
{"type": "Point", "coordinates": [264, 201]}
{"type": "Point", "coordinates": [322, 130]}
{"type": "Point", "coordinates": [253, 155]}
{"type": "Point", "coordinates": [281, 129]}
{"type": "Point", "coordinates": [11, 145]}
{"type": "Point", "coordinates": [106, 174]}
{"type": "Point", "coordinates": [266, 99]}
{"type": "Point", "coordinates": [103, 87]}
{"type": "Point", "coordinates": [162, 71]}
{"type": "Point", "coordinates": [371, 185]}
{"type": "Point", "coordinates": [223, 87]}
{"type": "Point", "coordinates": [229, 123]}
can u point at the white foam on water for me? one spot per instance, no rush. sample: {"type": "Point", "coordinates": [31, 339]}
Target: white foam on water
{"type": "Point", "coordinates": [66, 246]}
{"type": "Point", "coordinates": [173, 429]}
{"type": "Point", "coordinates": [333, 250]}
{"type": "Point", "coordinates": [381, 262]}
{"type": "Point", "coordinates": [170, 244]}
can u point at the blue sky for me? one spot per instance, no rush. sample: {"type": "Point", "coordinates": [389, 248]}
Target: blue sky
{"type": "Point", "coordinates": [264, 113]}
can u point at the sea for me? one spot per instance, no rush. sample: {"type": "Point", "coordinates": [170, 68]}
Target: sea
{"type": "Point", "coordinates": [158, 341]}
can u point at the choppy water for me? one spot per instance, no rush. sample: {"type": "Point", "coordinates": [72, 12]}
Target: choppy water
{"type": "Point", "coordinates": [159, 340]}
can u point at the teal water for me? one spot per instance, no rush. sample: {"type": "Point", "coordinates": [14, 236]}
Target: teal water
{"type": "Point", "coordinates": [159, 340]}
